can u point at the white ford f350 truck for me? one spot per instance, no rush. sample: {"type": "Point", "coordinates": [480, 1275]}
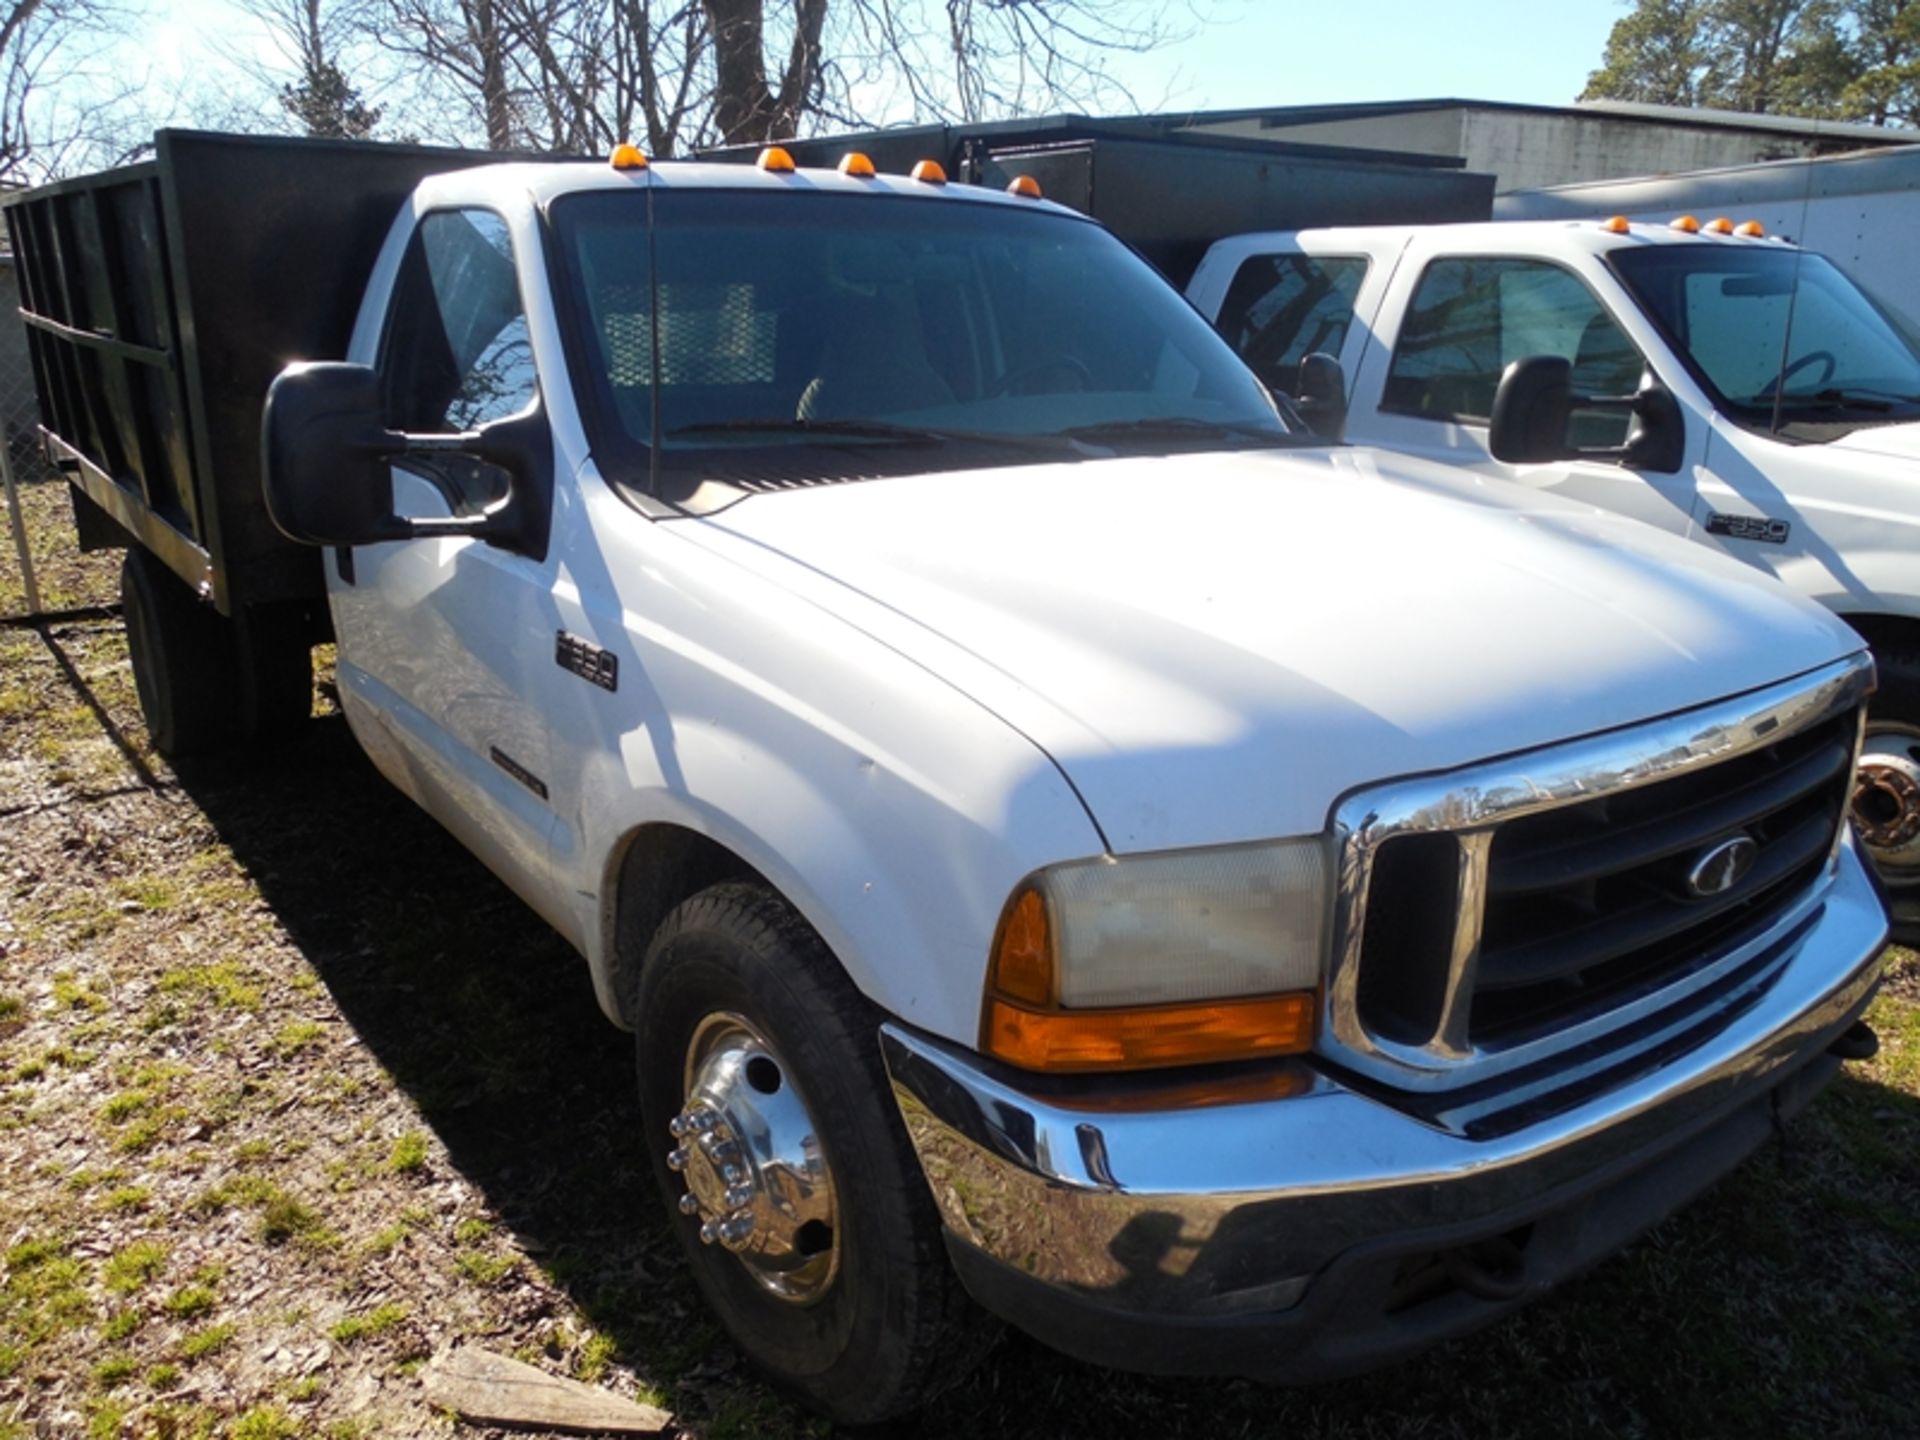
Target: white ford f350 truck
{"type": "Point", "coordinates": [1774, 415]}
{"type": "Point", "coordinates": [1067, 843]}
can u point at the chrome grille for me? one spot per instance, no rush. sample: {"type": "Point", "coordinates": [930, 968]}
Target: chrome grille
{"type": "Point", "coordinates": [1492, 918]}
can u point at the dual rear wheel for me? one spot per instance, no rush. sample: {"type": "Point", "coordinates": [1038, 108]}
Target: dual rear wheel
{"type": "Point", "coordinates": [205, 682]}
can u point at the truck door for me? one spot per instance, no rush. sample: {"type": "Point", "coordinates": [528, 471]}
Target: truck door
{"type": "Point", "coordinates": [1452, 326]}
{"type": "Point", "coordinates": [440, 638]}
{"type": "Point", "coordinates": [1279, 298]}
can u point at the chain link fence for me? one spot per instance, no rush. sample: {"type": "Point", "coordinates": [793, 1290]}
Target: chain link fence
{"type": "Point", "coordinates": [40, 568]}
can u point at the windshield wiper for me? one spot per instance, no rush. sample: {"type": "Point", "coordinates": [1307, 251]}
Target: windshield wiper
{"type": "Point", "coordinates": [1180, 426]}
{"type": "Point", "coordinates": [875, 430]}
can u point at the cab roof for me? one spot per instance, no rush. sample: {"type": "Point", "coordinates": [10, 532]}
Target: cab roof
{"type": "Point", "coordinates": [546, 181]}
{"type": "Point", "coordinates": [1543, 236]}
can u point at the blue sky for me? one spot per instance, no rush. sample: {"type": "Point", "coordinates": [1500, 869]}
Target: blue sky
{"type": "Point", "coordinates": [1296, 52]}
{"type": "Point", "coordinates": [1246, 53]}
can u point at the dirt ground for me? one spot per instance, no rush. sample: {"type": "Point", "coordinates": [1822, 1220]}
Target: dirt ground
{"type": "Point", "coordinates": [293, 1096]}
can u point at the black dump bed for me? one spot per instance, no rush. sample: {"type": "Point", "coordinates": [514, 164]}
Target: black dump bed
{"type": "Point", "coordinates": [1171, 192]}
{"type": "Point", "coordinates": [161, 299]}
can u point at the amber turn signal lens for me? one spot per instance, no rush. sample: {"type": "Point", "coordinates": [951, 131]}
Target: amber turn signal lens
{"type": "Point", "coordinates": [1752, 229]}
{"type": "Point", "coordinates": [1148, 1037]}
{"type": "Point", "coordinates": [1025, 186]}
{"type": "Point", "coordinates": [627, 157]}
{"type": "Point", "coordinates": [776, 160]}
{"type": "Point", "coordinates": [857, 165]}
{"type": "Point", "coordinates": [1720, 225]}
{"type": "Point", "coordinates": [931, 172]}
{"type": "Point", "coordinates": [1615, 225]}
{"type": "Point", "coordinates": [1686, 223]}
{"type": "Point", "coordinates": [1022, 966]}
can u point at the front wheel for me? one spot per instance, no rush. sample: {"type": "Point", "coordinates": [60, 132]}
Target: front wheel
{"type": "Point", "coordinates": [1886, 792]}
{"type": "Point", "coordinates": [789, 1178]}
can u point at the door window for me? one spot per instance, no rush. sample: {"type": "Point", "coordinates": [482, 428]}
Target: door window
{"type": "Point", "coordinates": [457, 354]}
{"type": "Point", "coordinates": [1282, 308]}
{"type": "Point", "coordinates": [1472, 317]}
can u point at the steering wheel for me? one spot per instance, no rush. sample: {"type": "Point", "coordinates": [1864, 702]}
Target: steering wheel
{"type": "Point", "coordinates": [1064, 365]}
{"type": "Point", "coordinates": [1794, 367]}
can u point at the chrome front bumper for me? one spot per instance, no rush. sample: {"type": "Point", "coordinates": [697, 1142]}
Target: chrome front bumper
{"type": "Point", "coordinates": [1274, 1237]}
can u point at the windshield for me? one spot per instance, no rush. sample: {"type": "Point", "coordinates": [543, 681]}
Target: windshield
{"type": "Point", "coordinates": [1822, 357]}
{"type": "Point", "coordinates": [855, 334]}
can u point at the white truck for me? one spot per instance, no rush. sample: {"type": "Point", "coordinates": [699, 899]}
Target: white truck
{"type": "Point", "coordinates": [1069, 844]}
{"type": "Point", "coordinates": [1757, 402]}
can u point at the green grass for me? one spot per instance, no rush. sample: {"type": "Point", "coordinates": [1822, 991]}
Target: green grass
{"type": "Point", "coordinates": [370, 1324]}
{"type": "Point", "coordinates": [190, 1302]}
{"type": "Point", "coordinates": [133, 1267]}
{"type": "Point", "coordinates": [208, 1341]}
{"type": "Point", "coordinates": [221, 983]}
{"type": "Point", "coordinates": [409, 1154]}
{"type": "Point", "coordinates": [264, 1422]}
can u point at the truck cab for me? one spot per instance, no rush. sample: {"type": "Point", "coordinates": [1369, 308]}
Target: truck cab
{"type": "Point", "coordinates": [1789, 407]}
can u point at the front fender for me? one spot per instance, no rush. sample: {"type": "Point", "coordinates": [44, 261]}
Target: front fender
{"type": "Point", "coordinates": [893, 812]}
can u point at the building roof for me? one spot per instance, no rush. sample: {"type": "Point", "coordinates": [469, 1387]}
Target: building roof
{"type": "Point", "coordinates": [1283, 116]}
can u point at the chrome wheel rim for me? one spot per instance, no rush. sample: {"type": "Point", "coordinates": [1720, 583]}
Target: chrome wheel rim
{"type": "Point", "coordinates": [1886, 801]}
{"type": "Point", "coordinates": [757, 1180]}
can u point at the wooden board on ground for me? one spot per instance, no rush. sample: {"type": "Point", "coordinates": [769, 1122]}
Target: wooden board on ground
{"type": "Point", "coordinates": [479, 1385]}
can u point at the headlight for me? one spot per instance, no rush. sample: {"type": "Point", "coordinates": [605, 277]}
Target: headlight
{"type": "Point", "coordinates": [1156, 960]}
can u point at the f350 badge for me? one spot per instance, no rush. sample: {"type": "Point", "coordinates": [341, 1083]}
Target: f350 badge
{"type": "Point", "coordinates": [1761, 528]}
{"type": "Point", "coordinates": [587, 660]}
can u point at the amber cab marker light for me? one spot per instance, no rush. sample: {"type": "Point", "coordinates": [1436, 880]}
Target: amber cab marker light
{"type": "Point", "coordinates": [857, 165]}
{"type": "Point", "coordinates": [1752, 229]}
{"type": "Point", "coordinates": [930, 172]}
{"type": "Point", "coordinates": [1720, 225]}
{"type": "Point", "coordinates": [1025, 186]}
{"type": "Point", "coordinates": [1687, 223]}
{"type": "Point", "coordinates": [1615, 225]}
{"type": "Point", "coordinates": [775, 160]}
{"type": "Point", "coordinates": [627, 157]}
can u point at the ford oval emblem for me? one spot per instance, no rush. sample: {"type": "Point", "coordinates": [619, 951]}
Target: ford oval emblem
{"type": "Point", "coordinates": [1722, 867]}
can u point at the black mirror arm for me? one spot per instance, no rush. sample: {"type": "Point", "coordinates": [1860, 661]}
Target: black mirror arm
{"type": "Point", "coordinates": [1653, 403]}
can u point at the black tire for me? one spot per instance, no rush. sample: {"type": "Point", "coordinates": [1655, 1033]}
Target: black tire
{"type": "Point", "coordinates": [185, 666]}
{"type": "Point", "coordinates": [276, 674]}
{"type": "Point", "coordinates": [1895, 707]}
{"type": "Point", "coordinates": [894, 1327]}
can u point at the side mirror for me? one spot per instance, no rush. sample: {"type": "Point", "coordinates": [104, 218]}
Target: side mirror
{"type": "Point", "coordinates": [1323, 394]}
{"type": "Point", "coordinates": [1534, 408]}
{"type": "Point", "coordinates": [1531, 411]}
{"type": "Point", "coordinates": [325, 454]}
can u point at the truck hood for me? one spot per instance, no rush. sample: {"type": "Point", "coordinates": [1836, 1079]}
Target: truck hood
{"type": "Point", "coordinates": [1900, 441]}
{"type": "Point", "coordinates": [1217, 647]}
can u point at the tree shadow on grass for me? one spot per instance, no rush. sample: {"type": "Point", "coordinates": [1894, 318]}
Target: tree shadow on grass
{"type": "Point", "coordinates": [1750, 1311]}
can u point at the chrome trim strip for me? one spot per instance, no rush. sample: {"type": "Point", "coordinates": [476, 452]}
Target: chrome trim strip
{"type": "Point", "coordinates": [1479, 798]}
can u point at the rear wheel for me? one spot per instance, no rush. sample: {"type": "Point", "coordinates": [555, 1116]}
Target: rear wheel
{"type": "Point", "coordinates": [184, 665]}
{"type": "Point", "coordinates": [770, 1125]}
{"type": "Point", "coordinates": [1886, 793]}
{"type": "Point", "coordinates": [207, 683]}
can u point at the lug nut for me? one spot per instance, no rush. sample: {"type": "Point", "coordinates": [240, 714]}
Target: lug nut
{"type": "Point", "coordinates": [709, 1233]}
{"type": "Point", "coordinates": [677, 1158]}
{"type": "Point", "coordinates": [734, 1232]}
{"type": "Point", "coordinates": [679, 1125]}
{"type": "Point", "coordinates": [738, 1195]}
{"type": "Point", "coordinates": [732, 1174]}
{"type": "Point", "coordinates": [689, 1204]}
